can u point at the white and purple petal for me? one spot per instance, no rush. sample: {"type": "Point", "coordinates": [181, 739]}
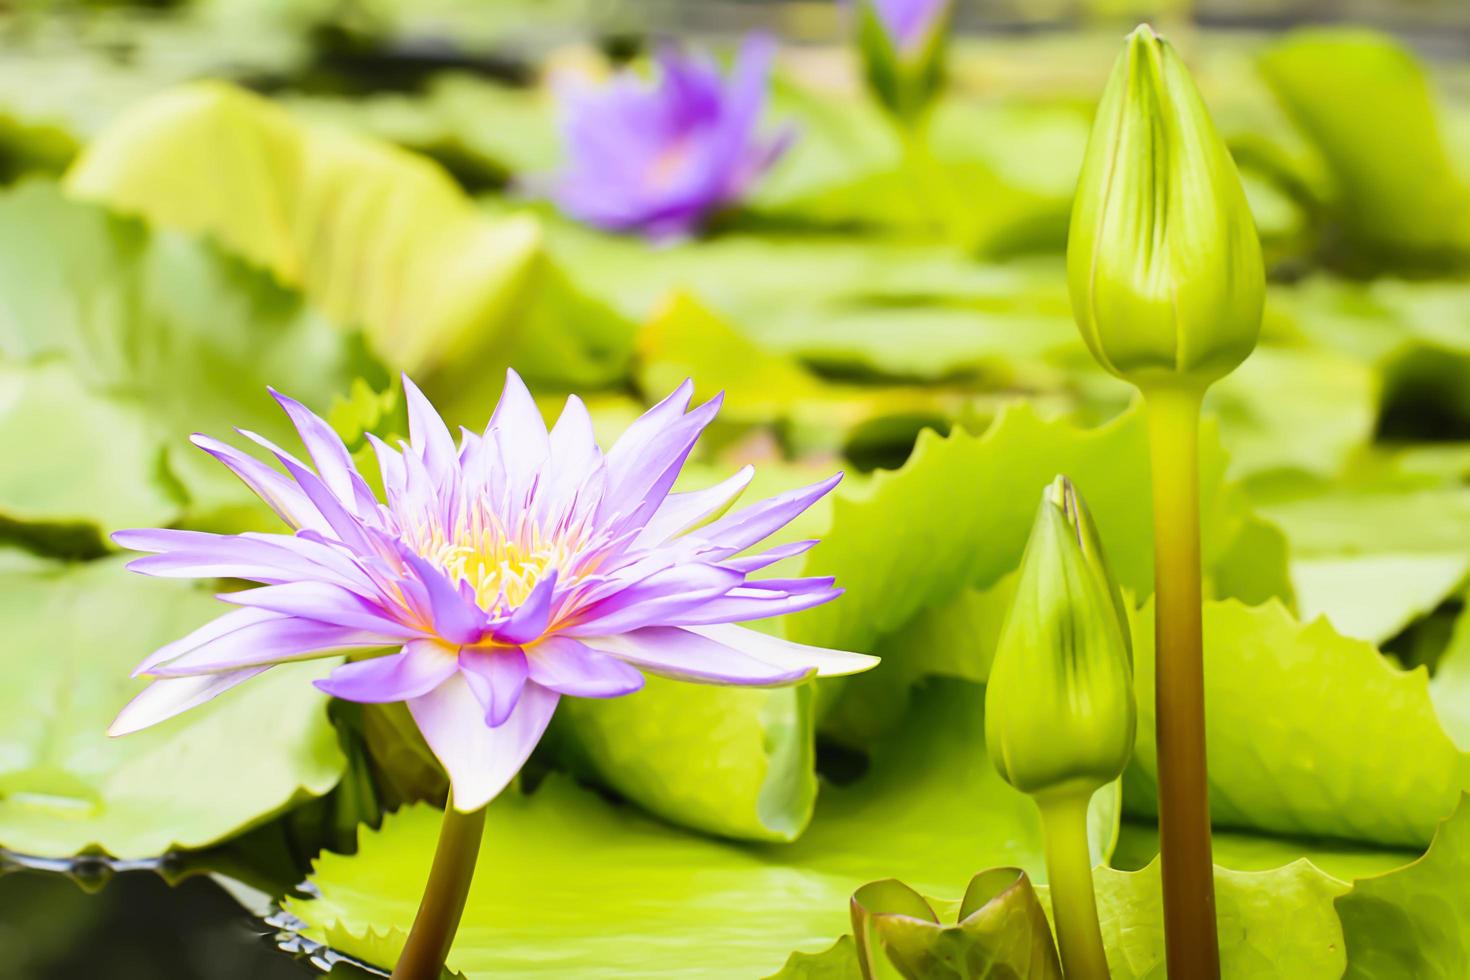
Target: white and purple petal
{"type": "Point", "coordinates": [779, 652]}
{"type": "Point", "coordinates": [274, 640]}
{"type": "Point", "coordinates": [165, 698]}
{"type": "Point", "coordinates": [688, 656]}
{"type": "Point", "coordinates": [480, 760]}
{"type": "Point", "coordinates": [497, 677]}
{"type": "Point", "coordinates": [569, 666]}
{"type": "Point", "coordinates": [412, 672]}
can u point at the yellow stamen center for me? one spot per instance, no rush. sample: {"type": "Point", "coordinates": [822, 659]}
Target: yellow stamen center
{"type": "Point", "coordinates": [500, 567]}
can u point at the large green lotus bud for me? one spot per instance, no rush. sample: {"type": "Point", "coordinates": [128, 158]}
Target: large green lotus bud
{"type": "Point", "coordinates": [1059, 710]}
{"type": "Point", "coordinates": [1162, 257]}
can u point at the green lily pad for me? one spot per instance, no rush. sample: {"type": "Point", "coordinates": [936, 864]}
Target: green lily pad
{"type": "Point", "coordinates": [953, 551]}
{"type": "Point", "coordinates": [154, 336]}
{"type": "Point", "coordinates": [882, 308]}
{"type": "Point", "coordinates": [1240, 850]}
{"type": "Point", "coordinates": [1373, 597]}
{"type": "Point", "coordinates": [373, 235]}
{"type": "Point", "coordinates": [72, 637]}
{"type": "Point", "coordinates": [1289, 408]}
{"type": "Point", "coordinates": [687, 340]}
{"type": "Point", "coordinates": [77, 456]}
{"type": "Point", "coordinates": [1450, 686]}
{"type": "Point", "coordinates": [1256, 567]}
{"type": "Point", "coordinates": [1399, 195]}
{"type": "Point", "coordinates": [728, 761]}
{"type": "Point", "coordinates": [1367, 520]}
{"type": "Point", "coordinates": [953, 639]}
{"type": "Point", "coordinates": [1309, 733]}
{"type": "Point", "coordinates": [837, 962]}
{"type": "Point", "coordinates": [1278, 923]}
{"type": "Point", "coordinates": [708, 907]}
{"type": "Point", "coordinates": [996, 176]}
{"type": "Point", "coordinates": [481, 131]}
{"type": "Point", "coordinates": [1413, 922]}
{"type": "Point", "coordinates": [950, 548]}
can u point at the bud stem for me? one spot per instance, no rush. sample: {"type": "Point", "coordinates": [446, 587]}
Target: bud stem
{"type": "Point", "coordinates": [927, 178]}
{"type": "Point", "coordinates": [440, 909]}
{"type": "Point", "coordinates": [1190, 940]}
{"type": "Point", "coordinates": [1069, 872]}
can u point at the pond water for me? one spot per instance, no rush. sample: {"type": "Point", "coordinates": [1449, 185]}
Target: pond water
{"type": "Point", "coordinates": [136, 926]}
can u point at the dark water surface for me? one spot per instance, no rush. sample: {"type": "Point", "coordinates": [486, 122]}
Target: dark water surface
{"type": "Point", "coordinates": [137, 927]}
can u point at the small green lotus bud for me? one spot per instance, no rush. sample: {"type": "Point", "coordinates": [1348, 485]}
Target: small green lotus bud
{"type": "Point", "coordinates": [902, 43]}
{"type": "Point", "coordinates": [1163, 258]}
{"type": "Point", "coordinates": [1059, 709]}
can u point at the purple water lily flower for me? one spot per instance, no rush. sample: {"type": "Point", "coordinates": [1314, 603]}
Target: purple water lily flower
{"type": "Point", "coordinates": [504, 572]}
{"type": "Point", "coordinates": [661, 159]}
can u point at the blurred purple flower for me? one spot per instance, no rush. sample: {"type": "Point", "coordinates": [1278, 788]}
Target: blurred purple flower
{"type": "Point", "coordinates": [660, 159]}
{"type": "Point", "coordinates": [909, 23]}
{"type": "Point", "coordinates": [508, 570]}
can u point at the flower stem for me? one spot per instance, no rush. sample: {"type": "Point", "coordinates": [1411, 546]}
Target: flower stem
{"type": "Point", "coordinates": [1191, 945]}
{"type": "Point", "coordinates": [437, 920]}
{"type": "Point", "coordinates": [926, 178]}
{"type": "Point", "coordinates": [1069, 872]}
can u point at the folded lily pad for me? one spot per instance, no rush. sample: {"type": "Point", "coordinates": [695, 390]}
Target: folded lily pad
{"type": "Point", "coordinates": [732, 762]}
{"type": "Point", "coordinates": [373, 235]}
{"type": "Point", "coordinates": [1272, 922]}
{"type": "Point", "coordinates": [73, 634]}
{"type": "Point", "coordinates": [1000, 931]}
